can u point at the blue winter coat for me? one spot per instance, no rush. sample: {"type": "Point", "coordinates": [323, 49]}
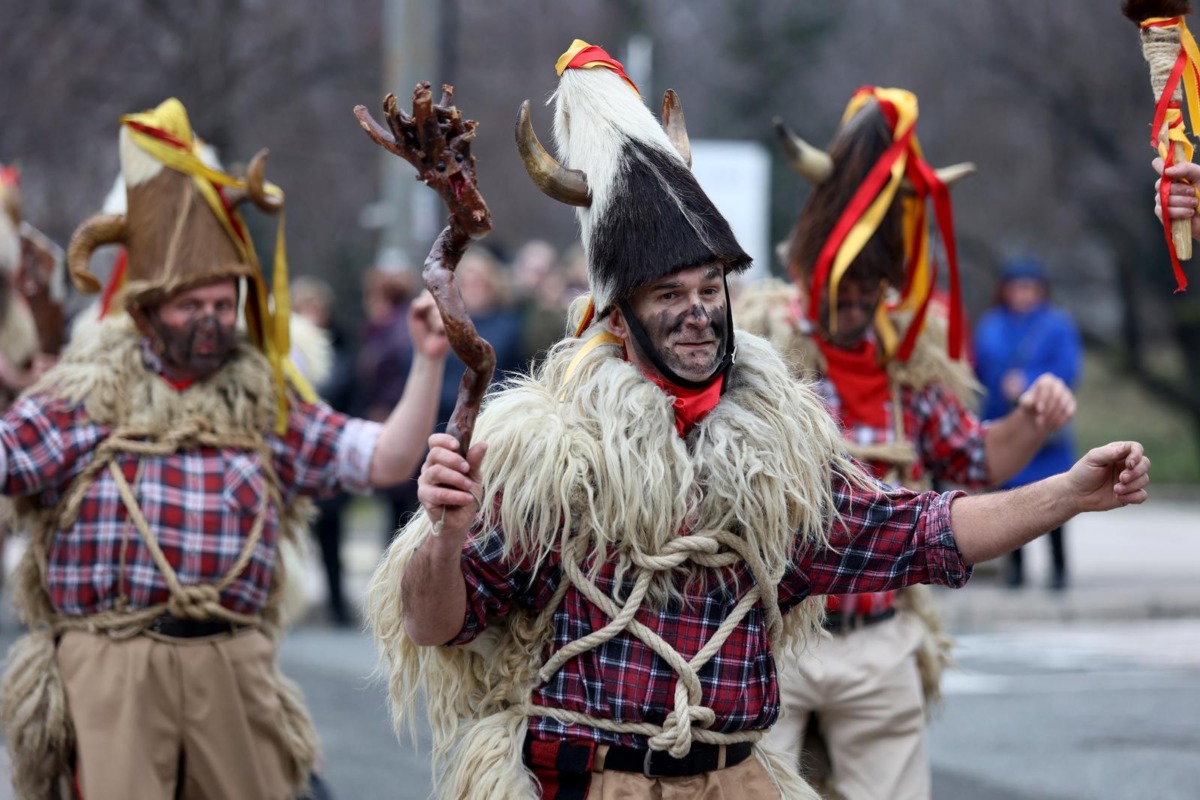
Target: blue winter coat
{"type": "Point", "coordinates": [1044, 340]}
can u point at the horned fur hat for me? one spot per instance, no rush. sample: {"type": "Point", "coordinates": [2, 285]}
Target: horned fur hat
{"type": "Point", "coordinates": [181, 228]}
{"type": "Point", "coordinates": [867, 217]}
{"type": "Point", "coordinates": [642, 215]}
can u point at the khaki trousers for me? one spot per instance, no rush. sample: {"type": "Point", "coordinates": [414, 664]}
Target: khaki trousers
{"type": "Point", "coordinates": [740, 782]}
{"type": "Point", "coordinates": [866, 691]}
{"type": "Point", "coordinates": [143, 707]}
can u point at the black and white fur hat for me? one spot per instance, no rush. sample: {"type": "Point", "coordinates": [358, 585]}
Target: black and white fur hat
{"type": "Point", "coordinates": [642, 215]}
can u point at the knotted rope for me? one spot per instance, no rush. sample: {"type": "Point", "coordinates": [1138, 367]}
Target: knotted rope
{"type": "Point", "coordinates": [689, 721]}
{"type": "Point", "coordinates": [194, 602]}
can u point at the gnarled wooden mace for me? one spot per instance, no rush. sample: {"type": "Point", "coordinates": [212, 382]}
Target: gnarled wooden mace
{"type": "Point", "coordinates": [437, 141]}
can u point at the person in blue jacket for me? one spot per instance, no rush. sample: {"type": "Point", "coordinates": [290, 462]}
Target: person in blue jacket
{"type": "Point", "coordinates": [1023, 336]}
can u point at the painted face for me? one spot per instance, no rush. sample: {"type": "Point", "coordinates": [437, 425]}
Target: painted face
{"type": "Point", "coordinates": [685, 318]}
{"type": "Point", "coordinates": [196, 329]}
{"type": "Point", "coordinates": [856, 304]}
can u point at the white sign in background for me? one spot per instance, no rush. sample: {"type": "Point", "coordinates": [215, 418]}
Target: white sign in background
{"type": "Point", "coordinates": [737, 178]}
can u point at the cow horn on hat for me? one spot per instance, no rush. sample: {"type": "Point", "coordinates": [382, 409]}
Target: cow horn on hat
{"type": "Point", "coordinates": [810, 162]}
{"type": "Point", "coordinates": [564, 185]}
{"type": "Point", "coordinates": [98, 230]}
{"type": "Point", "coordinates": [675, 126]}
{"type": "Point", "coordinates": [256, 184]}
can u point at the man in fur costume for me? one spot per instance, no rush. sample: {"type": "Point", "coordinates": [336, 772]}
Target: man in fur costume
{"type": "Point", "coordinates": [159, 465]}
{"type": "Point", "coordinates": [879, 361]}
{"type": "Point", "coordinates": [593, 596]}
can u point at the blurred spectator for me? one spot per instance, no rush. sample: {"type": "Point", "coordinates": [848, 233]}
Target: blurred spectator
{"type": "Point", "coordinates": [1021, 337]}
{"type": "Point", "coordinates": [488, 298]}
{"type": "Point", "coordinates": [539, 286]}
{"type": "Point", "coordinates": [312, 300]}
{"type": "Point", "coordinates": [384, 356]}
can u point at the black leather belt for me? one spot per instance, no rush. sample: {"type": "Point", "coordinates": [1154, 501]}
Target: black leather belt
{"type": "Point", "coordinates": [176, 628]}
{"type": "Point", "coordinates": [661, 764]}
{"type": "Point", "coordinates": [844, 623]}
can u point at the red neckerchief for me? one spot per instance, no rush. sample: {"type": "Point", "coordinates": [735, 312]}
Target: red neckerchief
{"type": "Point", "coordinates": [861, 383]}
{"type": "Point", "coordinates": [691, 405]}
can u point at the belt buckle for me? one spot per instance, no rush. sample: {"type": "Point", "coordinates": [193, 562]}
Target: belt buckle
{"type": "Point", "coordinates": [647, 763]}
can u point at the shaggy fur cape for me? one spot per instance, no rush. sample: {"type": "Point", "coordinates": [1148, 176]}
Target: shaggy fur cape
{"type": "Point", "coordinates": [104, 371]}
{"type": "Point", "coordinates": [595, 459]}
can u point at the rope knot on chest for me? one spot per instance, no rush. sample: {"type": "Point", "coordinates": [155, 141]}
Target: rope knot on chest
{"type": "Point", "coordinates": [691, 719]}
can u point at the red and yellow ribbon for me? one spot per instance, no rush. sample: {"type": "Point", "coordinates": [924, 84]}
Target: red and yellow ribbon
{"type": "Point", "coordinates": [1168, 114]}
{"type": "Point", "coordinates": [864, 213]}
{"type": "Point", "coordinates": [166, 134]}
{"type": "Point", "coordinates": [581, 55]}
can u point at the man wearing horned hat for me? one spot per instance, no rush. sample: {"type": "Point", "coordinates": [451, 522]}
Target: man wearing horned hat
{"type": "Point", "coordinates": [593, 597]}
{"type": "Point", "coordinates": [879, 360]}
{"type": "Point", "coordinates": [159, 466]}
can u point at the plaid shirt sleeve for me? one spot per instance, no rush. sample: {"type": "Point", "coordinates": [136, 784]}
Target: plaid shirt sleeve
{"type": "Point", "coordinates": [884, 538]}
{"type": "Point", "coordinates": [42, 440]}
{"type": "Point", "coordinates": [496, 584]}
{"type": "Point", "coordinates": [951, 440]}
{"type": "Point", "coordinates": [323, 451]}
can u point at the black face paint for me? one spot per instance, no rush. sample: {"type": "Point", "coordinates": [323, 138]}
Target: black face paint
{"type": "Point", "coordinates": [195, 349]}
{"type": "Point", "coordinates": [720, 325]}
{"type": "Point", "coordinates": [671, 335]}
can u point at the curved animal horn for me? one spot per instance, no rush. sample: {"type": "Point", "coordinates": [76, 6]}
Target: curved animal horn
{"type": "Point", "coordinates": [955, 172]}
{"type": "Point", "coordinates": [256, 190]}
{"type": "Point", "coordinates": [564, 185]}
{"type": "Point", "coordinates": [948, 175]}
{"type": "Point", "coordinates": [99, 229]}
{"type": "Point", "coordinates": [810, 162]}
{"type": "Point", "coordinates": [675, 126]}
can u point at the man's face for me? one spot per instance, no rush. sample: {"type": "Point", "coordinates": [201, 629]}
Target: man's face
{"type": "Point", "coordinates": [856, 304]}
{"type": "Point", "coordinates": [685, 319]}
{"type": "Point", "coordinates": [196, 329]}
{"type": "Point", "coordinates": [1022, 295]}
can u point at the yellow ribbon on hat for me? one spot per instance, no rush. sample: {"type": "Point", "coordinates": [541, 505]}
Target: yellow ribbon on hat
{"type": "Point", "coordinates": [166, 135]}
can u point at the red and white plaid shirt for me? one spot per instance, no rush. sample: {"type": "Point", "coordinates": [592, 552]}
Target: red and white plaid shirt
{"type": "Point", "coordinates": [891, 538]}
{"type": "Point", "coordinates": [950, 444]}
{"type": "Point", "coordinates": [201, 504]}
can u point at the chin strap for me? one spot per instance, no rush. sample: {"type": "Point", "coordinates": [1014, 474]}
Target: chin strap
{"type": "Point", "coordinates": [648, 350]}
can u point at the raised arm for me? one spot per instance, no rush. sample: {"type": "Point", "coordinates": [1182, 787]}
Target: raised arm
{"type": "Point", "coordinates": [990, 525]}
{"type": "Point", "coordinates": [402, 439]}
{"type": "Point", "coordinates": [433, 590]}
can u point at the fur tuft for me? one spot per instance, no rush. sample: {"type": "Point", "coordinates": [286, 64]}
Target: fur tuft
{"type": "Point", "coordinates": [33, 712]}
{"type": "Point", "coordinates": [1140, 10]}
{"type": "Point", "coordinates": [648, 216]}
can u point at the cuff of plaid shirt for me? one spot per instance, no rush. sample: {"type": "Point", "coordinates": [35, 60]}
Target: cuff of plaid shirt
{"type": "Point", "coordinates": [946, 566]}
{"type": "Point", "coordinates": [354, 450]}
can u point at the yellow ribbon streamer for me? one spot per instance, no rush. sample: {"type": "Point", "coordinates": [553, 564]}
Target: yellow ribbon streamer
{"type": "Point", "coordinates": [599, 340]}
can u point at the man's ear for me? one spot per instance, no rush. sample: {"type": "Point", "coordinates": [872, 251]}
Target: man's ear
{"type": "Point", "coordinates": [616, 323]}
